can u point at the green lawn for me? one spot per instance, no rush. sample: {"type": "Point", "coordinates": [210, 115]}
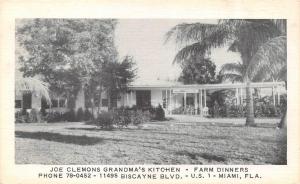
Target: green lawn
{"type": "Point", "coordinates": [168, 142]}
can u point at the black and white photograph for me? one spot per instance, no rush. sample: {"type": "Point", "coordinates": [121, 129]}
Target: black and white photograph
{"type": "Point", "coordinates": [91, 91]}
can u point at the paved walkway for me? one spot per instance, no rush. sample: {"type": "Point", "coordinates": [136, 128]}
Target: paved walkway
{"type": "Point", "coordinates": [198, 119]}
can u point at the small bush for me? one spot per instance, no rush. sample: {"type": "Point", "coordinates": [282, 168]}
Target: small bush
{"type": "Point", "coordinates": [137, 117]}
{"type": "Point", "coordinates": [54, 116]}
{"type": "Point", "coordinates": [70, 116]}
{"type": "Point", "coordinates": [159, 113]}
{"type": "Point", "coordinates": [21, 116]}
{"type": "Point", "coordinates": [105, 120]}
{"type": "Point", "coordinates": [87, 115]}
{"type": "Point", "coordinates": [80, 114]}
{"type": "Point", "coordinates": [122, 117]}
{"type": "Point", "coordinates": [43, 112]}
{"type": "Point", "coordinates": [34, 116]}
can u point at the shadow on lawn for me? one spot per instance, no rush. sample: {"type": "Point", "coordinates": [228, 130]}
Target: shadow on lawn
{"type": "Point", "coordinates": [206, 156]}
{"type": "Point", "coordinates": [91, 129]}
{"type": "Point", "coordinates": [56, 137]}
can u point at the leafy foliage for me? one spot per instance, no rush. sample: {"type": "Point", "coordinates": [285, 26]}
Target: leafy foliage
{"type": "Point", "coordinates": [66, 53]}
{"type": "Point", "coordinates": [254, 39]}
{"type": "Point", "coordinates": [198, 71]}
{"type": "Point", "coordinates": [115, 77]}
{"type": "Point", "coordinates": [80, 114]}
{"type": "Point", "coordinates": [32, 85]}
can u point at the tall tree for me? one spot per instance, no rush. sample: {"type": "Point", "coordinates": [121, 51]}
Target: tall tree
{"type": "Point", "coordinates": [116, 76]}
{"type": "Point", "coordinates": [32, 85]}
{"type": "Point", "coordinates": [66, 53]}
{"type": "Point", "coordinates": [246, 36]}
{"type": "Point", "coordinates": [198, 70]}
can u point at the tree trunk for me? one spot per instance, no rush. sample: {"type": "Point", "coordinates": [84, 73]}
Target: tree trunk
{"type": "Point", "coordinates": [108, 99]}
{"type": "Point", "coordinates": [100, 101]}
{"type": "Point", "coordinates": [282, 123]}
{"type": "Point", "coordinates": [93, 107]}
{"type": "Point", "coordinates": [249, 106]}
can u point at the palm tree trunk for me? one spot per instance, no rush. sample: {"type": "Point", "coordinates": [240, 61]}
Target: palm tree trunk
{"type": "Point", "coordinates": [249, 106]}
{"type": "Point", "coordinates": [100, 101]}
{"type": "Point", "coordinates": [282, 123]}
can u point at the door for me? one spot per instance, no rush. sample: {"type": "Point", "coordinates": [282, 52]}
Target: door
{"type": "Point", "coordinates": [27, 101]}
{"type": "Point", "coordinates": [143, 98]}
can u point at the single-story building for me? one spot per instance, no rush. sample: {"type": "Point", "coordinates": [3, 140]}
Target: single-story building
{"type": "Point", "coordinates": [170, 95]}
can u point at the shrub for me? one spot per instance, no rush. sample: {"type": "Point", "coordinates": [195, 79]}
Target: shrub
{"type": "Point", "coordinates": [70, 116]}
{"type": "Point", "coordinates": [43, 112]}
{"type": "Point", "coordinates": [105, 120]}
{"type": "Point", "coordinates": [137, 117]}
{"type": "Point", "coordinates": [122, 117]}
{"type": "Point", "coordinates": [34, 116]}
{"type": "Point", "coordinates": [159, 113]}
{"type": "Point", "coordinates": [87, 115]}
{"type": "Point", "coordinates": [54, 116]}
{"type": "Point", "coordinates": [21, 116]}
{"type": "Point", "coordinates": [80, 114]}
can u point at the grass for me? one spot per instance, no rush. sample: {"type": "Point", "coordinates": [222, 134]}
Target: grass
{"type": "Point", "coordinates": [167, 142]}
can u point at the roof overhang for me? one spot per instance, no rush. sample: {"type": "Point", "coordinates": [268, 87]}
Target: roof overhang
{"type": "Point", "coordinates": [207, 86]}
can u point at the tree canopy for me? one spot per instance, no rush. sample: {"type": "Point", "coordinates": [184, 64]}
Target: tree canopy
{"type": "Point", "coordinates": [65, 52]}
{"type": "Point", "coordinates": [260, 42]}
{"type": "Point", "coordinates": [198, 71]}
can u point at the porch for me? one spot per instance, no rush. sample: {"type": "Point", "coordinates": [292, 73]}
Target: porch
{"type": "Point", "coordinates": [194, 99]}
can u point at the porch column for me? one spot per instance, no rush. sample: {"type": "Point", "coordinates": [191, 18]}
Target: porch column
{"type": "Point", "coordinates": [273, 95]}
{"type": "Point", "coordinates": [127, 99]}
{"type": "Point", "coordinates": [241, 95]}
{"type": "Point", "coordinates": [171, 94]}
{"type": "Point", "coordinates": [166, 96]}
{"type": "Point", "coordinates": [237, 96]}
{"type": "Point", "coordinates": [201, 102]}
{"type": "Point", "coordinates": [184, 97]}
{"type": "Point", "coordinates": [204, 98]}
{"type": "Point", "coordinates": [196, 103]}
{"type": "Point", "coordinates": [278, 95]}
{"type": "Point", "coordinates": [131, 104]}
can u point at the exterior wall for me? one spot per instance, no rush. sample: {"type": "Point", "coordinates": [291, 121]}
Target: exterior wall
{"type": "Point", "coordinates": [156, 97]}
{"type": "Point", "coordinates": [127, 99]}
{"type": "Point", "coordinates": [177, 101]}
{"type": "Point", "coordinates": [80, 103]}
{"type": "Point", "coordinates": [36, 101]}
{"type": "Point", "coordinates": [103, 96]}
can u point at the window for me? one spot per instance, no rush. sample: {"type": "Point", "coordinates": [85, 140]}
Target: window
{"type": "Point", "coordinates": [27, 100]}
{"type": "Point", "coordinates": [45, 105]}
{"type": "Point", "coordinates": [104, 102]}
{"type": "Point", "coordinates": [143, 98]}
{"type": "Point", "coordinates": [62, 102]}
{"type": "Point", "coordinates": [54, 103]}
{"type": "Point", "coordinates": [18, 103]}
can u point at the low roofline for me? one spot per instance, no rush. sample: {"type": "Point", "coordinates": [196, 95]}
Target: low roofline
{"type": "Point", "coordinates": [210, 86]}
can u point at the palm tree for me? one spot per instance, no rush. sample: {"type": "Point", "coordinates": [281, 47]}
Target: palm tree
{"type": "Point", "coordinates": [270, 64]}
{"type": "Point", "coordinates": [29, 84]}
{"type": "Point", "coordinates": [249, 37]}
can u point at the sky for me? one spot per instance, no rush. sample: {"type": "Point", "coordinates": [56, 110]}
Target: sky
{"type": "Point", "coordinates": [144, 40]}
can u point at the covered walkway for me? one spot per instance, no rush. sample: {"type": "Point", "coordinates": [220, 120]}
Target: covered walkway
{"type": "Point", "coordinates": [192, 99]}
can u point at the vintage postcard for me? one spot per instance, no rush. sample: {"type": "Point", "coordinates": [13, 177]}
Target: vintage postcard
{"type": "Point", "coordinates": [122, 92]}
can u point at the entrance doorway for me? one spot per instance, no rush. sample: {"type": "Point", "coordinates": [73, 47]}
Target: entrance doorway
{"type": "Point", "coordinates": [143, 98]}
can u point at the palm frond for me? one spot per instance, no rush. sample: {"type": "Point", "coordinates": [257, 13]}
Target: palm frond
{"type": "Point", "coordinates": [232, 68]}
{"type": "Point", "coordinates": [186, 53]}
{"type": "Point", "coordinates": [232, 77]}
{"type": "Point", "coordinates": [215, 39]}
{"type": "Point", "coordinates": [189, 32]}
{"type": "Point", "coordinates": [269, 60]}
{"type": "Point", "coordinates": [33, 85]}
{"type": "Point", "coordinates": [250, 34]}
